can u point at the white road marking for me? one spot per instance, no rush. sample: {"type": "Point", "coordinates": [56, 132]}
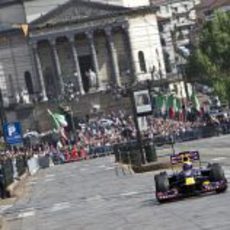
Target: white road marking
{"type": "Point", "coordinates": [101, 166]}
{"type": "Point", "coordinates": [26, 214]}
{"type": "Point", "coordinates": [83, 169]}
{"type": "Point", "coordinates": [109, 168]}
{"type": "Point", "coordinates": [3, 208]}
{"type": "Point", "coordinates": [32, 182]}
{"type": "Point", "coordinates": [128, 193]}
{"type": "Point", "coordinates": [60, 206]}
{"type": "Point", "coordinates": [218, 159]}
{"type": "Point", "coordinates": [49, 180]}
{"type": "Point", "coordinates": [49, 175]}
{"type": "Point", "coordinates": [94, 198]}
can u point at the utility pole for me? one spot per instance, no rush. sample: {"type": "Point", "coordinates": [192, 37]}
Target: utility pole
{"type": "Point", "coordinates": [2, 112]}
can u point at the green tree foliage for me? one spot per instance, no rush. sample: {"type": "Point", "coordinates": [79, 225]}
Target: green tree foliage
{"type": "Point", "coordinates": [210, 61]}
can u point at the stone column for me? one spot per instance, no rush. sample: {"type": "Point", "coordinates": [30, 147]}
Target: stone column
{"type": "Point", "coordinates": [57, 65]}
{"type": "Point", "coordinates": [113, 56]}
{"type": "Point", "coordinates": [76, 63]}
{"type": "Point", "coordinates": [39, 72]}
{"type": "Point", "coordinates": [90, 37]}
{"type": "Point", "coordinates": [128, 47]}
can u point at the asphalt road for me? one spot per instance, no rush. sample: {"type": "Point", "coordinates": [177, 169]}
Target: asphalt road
{"type": "Point", "coordinates": [88, 195]}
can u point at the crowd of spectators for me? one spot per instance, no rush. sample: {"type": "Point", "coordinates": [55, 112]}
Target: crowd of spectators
{"type": "Point", "coordinates": [99, 133]}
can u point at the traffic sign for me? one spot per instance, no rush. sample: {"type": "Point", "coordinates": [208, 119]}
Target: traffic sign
{"type": "Point", "coordinates": [13, 133]}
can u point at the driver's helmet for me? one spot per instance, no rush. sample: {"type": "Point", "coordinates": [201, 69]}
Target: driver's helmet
{"type": "Point", "coordinates": [187, 165]}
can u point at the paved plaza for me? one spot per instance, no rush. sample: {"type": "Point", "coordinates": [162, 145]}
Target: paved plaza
{"type": "Point", "coordinates": [88, 195]}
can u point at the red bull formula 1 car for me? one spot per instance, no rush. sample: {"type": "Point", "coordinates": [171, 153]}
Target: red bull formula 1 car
{"type": "Point", "coordinates": [190, 180]}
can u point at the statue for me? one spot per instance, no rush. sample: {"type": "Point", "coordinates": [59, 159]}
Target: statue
{"type": "Point", "coordinates": [92, 78]}
{"type": "Point", "coordinates": [25, 96]}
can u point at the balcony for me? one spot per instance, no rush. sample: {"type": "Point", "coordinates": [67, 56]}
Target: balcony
{"type": "Point", "coordinates": [184, 25]}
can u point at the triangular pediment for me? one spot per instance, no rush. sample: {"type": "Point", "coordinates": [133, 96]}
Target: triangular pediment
{"type": "Point", "coordinates": [78, 10]}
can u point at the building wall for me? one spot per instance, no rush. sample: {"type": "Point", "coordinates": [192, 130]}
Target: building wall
{"type": "Point", "coordinates": [177, 32]}
{"type": "Point", "coordinates": [35, 9]}
{"type": "Point", "coordinates": [122, 57]}
{"type": "Point", "coordinates": [66, 58]}
{"type": "Point", "coordinates": [179, 89]}
{"type": "Point", "coordinates": [11, 14]}
{"type": "Point", "coordinates": [126, 3]}
{"type": "Point", "coordinates": [206, 9]}
{"type": "Point", "coordinates": [48, 68]}
{"type": "Point", "coordinates": [145, 37]}
{"type": "Point", "coordinates": [103, 59]}
{"type": "Point", "coordinates": [15, 59]}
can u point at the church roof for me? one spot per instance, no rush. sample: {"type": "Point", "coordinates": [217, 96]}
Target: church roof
{"type": "Point", "coordinates": [9, 2]}
{"type": "Point", "coordinates": [76, 11]}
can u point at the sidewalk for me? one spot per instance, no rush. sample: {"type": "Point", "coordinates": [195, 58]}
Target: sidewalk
{"type": "Point", "coordinates": [161, 163]}
{"type": "Point", "coordinates": [3, 224]}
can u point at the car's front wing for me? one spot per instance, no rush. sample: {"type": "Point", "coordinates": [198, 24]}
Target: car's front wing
{"type": "Point", "coordinates": [205, 188]}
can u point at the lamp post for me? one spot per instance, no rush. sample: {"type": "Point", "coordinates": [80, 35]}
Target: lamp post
{"type": "Point", "coordinates": [152, 71]}
{"type": "Point", "coordinates": [2, 111]}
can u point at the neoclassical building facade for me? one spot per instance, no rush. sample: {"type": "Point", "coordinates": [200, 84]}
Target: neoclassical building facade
{"type": "Point", "coordinates": [90, 45]}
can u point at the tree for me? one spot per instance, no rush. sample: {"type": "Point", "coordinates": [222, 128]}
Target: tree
{"type": "Point", "coordinates": [209, 61]}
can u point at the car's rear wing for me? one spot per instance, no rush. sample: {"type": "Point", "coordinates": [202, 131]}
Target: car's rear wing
{"type": "Point", "coordinates": [179, 158]}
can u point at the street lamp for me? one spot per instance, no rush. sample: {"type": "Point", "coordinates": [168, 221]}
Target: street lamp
{"type": "Point", "coordinates": [152, 71]}
{"type": "Point", "coordinates": [2, 111]}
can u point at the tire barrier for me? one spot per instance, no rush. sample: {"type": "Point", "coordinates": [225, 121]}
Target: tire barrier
{"type": "Point", "coordinates": [150, 152]}
{"type": "Point", "coordinates": [129, 152]}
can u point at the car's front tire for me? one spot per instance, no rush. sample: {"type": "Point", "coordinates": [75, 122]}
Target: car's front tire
{"type": "Point", "coordinates": [217, 174]}
{"type": "Point", "coordinates": [161, 182]}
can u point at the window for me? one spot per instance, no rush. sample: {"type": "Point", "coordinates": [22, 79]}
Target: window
{"type": "Point", "coordinates": [161, 27]}
{"type": "Point", "coordinates": [11, 85]}
{"type": "Point", "coordinates": [208, 12]}
{"type": "Point", "coordinates": [175, 9]}
{"type": "Point", "coordinates": [29, 84]}
{"type": "Point", "coordinates": [163, 42]}
{"type": "Point", "coordinates": [141, 59]}
{"type": "Point", "coordinates": [167, 8]}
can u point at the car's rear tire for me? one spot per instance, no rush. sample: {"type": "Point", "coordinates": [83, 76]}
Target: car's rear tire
{"type": "Point", "coordinates": [216, 172]}
{"type": "Point", "coordinates": [161, 182]}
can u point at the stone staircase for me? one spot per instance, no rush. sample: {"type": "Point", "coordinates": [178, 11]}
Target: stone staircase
{"type": "Point", "coordinates": [36, 117]}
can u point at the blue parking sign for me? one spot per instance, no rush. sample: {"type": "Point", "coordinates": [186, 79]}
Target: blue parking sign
{"type": "Point", "coordinates": [13, 133]}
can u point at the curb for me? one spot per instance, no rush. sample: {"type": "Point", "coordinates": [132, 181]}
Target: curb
{"type": "Point", "coordinates": [3, 224]}
{"type": "Point", "coordinates": [12, 187]}
{"type": "Point", "coordinates": [151, 167]}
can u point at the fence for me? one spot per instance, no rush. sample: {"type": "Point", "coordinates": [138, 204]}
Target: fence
{"type": "Point", "coordinates": [192, 134]}
{"type": "Point", "coordinates": [95, 151]}
{"type": "Point", "coordinates": [11, 169]}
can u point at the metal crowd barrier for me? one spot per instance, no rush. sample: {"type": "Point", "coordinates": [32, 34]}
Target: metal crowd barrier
{"type": "Point", "coordinates": [193, 134]}
{"type": "Point", "coordinates": [12, 169]}
{"type": "Point", "coordinates": [33, 164]}
{"type": "Point", "coordinates": [7, 173]}
{"type": "Point", "coordinates": [100, 150]}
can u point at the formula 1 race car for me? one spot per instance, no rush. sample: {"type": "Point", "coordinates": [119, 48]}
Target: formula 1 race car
{"type": "Point", "coordinates": [190, 180]}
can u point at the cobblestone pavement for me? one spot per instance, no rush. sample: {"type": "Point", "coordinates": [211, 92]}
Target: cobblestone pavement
{"type": "Point", "coordinates": [89, 195]}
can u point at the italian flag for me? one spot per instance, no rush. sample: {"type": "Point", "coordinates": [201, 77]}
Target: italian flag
{"type": "Point", "coordinates": [58, 119]}
{"type": "Point", "coordinates": [59, 122]}
{"type": "Point", "coordinates": [195, 101]}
